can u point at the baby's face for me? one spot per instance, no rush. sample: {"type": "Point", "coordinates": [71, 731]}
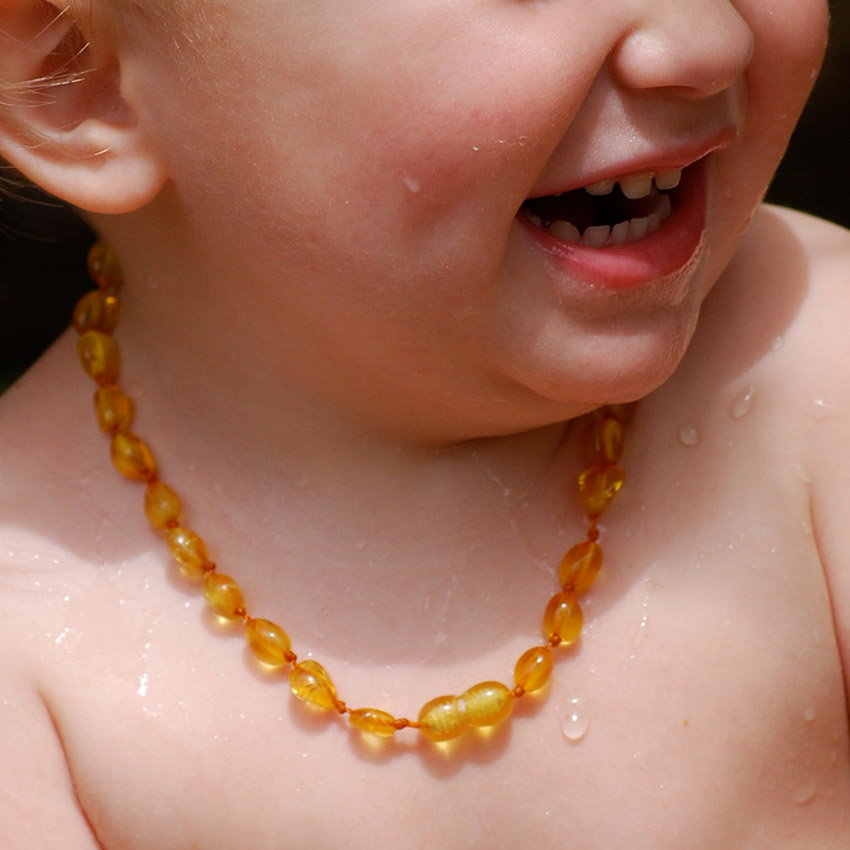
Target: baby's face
{"type": "Point", "coordinates": [409, 179]}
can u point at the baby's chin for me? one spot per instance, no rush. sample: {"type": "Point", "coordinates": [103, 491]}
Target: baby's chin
{"type": "Point", "coordinates": [590, 367]}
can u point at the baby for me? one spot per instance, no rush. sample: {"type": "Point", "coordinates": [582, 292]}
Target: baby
{"type": "Point", "coordinates": [392, 272]}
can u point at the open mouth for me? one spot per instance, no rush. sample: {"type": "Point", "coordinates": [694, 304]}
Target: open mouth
{"type": "Point", "coordinates": [607, 213]}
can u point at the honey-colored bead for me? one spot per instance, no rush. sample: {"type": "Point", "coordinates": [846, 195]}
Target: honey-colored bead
{"type": "Point", "coordinates": [96, 311]}
{"type": "Point", "coordinates": [598, 486]}
{"type": "Point", "coordinates": [608, 440]}
{"type": "Point", "coordinates": [268, 641]}
{"type": "Point", "coordinates": [374, 721]}
{"type": "Point", "coordinates": [99, 356]}
{"type": "Point", "coordinates": [224, 596]}
{"type": "Point", "coordinates": [563, 618]}
{"type": "Point", "coordinates": [534, 668]}
{"type": "Point", "coordinates": [580, 566]}
{"type": "Point", "coordinates": [311, 683]}
{"type": "Point", "coordinates": [190, 553]}
{"type": "Point", "coordinates": [114, 409]}
{"type": "Point", "coordinates": [132, 458]}
{"type": "Point", "coordinates": [443, 718]}
{"type": "Point", "coordinates": [162, 506]}
{"type": "Point", "coordinates": [487, 703]}
{"type": "Point", "coordinates": [103, 266]}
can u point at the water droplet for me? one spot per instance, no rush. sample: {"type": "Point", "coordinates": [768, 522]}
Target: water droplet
{"type": "Point", "coordinates": [824, 408]}
{"type": "Point", "coordinates": [777, 343]}
{"type": "Point", "coordinates": [576, 722]}
{"type": "Point", "coordinates": [143, 684]}
{"type": "Point", "coordinates": [689, 435]}
{"type": "Point", "coordinates": [809, 715]}
{"type": "Point", "coordinates": [412, 184]}
{"type": "Point", "coordinates": [743, 403]}
{"type": "Point", "coordinates": [640, 632]}
{"type": "Point", "coordinates": [639, 760]}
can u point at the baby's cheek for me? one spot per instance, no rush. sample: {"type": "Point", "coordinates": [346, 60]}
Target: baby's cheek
{"type": "Point", "coordinates": [791, 37]}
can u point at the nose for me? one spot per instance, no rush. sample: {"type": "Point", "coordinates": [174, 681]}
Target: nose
{"type": "Point", "coordinates": [698, 47]}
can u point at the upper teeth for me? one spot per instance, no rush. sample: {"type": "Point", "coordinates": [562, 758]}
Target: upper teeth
{"type": "Point", "coordinates": [637, 185]}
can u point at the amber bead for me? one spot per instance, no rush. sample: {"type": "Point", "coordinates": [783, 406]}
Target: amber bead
{"type": "Point", "coordinates": [190, 553]}
{"type": "Point", "coordinates": [374, 721]}
{"type": "Point", "coordinates": [598, 486]}
{"type": "Point", "coordinates": [580, 566]}
{"type": "Point", "coordinates": [608, 440]}
{"type": "Point", "coordinates": [132, 458]}
{"type": "Point", "coordinates": [103, 266]}
{"type": "Point", "coordinates": [563, 618]}
{"type": "Point", "coordinates": [96, 311]}
{"type": "Point", "coordinates": [99, 356]}
{"type": "Point", "coordinates": [162, 506]}
{"type": "Point", "coordinates": [443, 718]}
{"type": "Point", "coordinates": [534, 668]}
{"type": "Point", "coordinates": [487, 703]}
{"type": "Point", "coordinates": [311, 683]}
{"type": "Point", "coordinates": [114, 409]}
{"type": "Point", "coordinates": [224, 596]}
{"type": "Point", "coordinates": [268, 641]}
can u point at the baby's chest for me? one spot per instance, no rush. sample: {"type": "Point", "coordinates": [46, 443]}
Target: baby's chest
{"type": "Point", "coordinates": [695, 712]}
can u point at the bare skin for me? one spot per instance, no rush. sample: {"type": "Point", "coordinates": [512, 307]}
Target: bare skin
{"type": "Point", "coordinates": [363, 365]}
{"type": "Point", "coordinates": [709, 671]}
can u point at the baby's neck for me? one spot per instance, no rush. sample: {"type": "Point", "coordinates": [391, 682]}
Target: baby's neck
{"type": "Point", "coordinates": [274, 363]}
{"type": "Point", "coordinates": [303, 506]}
{"type": "Point", "coordinates": [300, 496]}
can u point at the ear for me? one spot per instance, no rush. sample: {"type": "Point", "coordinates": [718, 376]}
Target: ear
{"type": "Point", "coordinates": [65, 122]}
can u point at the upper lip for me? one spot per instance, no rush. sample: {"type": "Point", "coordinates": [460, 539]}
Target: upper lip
{"type": "Point", "coordinates": [654, 162]}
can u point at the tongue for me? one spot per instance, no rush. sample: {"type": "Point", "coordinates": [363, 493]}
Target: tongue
{"type": "Point", "coordinates": [584, 210]}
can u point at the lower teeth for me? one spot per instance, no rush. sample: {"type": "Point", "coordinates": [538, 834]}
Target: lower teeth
{"type": "Point", "coordinates": [604, 236]}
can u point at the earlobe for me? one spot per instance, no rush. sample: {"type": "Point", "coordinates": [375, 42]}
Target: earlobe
{"type": "Point", "coordinates": [65, 122]}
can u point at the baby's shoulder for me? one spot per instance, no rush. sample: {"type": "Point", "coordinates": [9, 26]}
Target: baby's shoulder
{"type": "Point", "coordinates": [38, 800]}
{"type": "Point", "coordinates": [812, 374]}
{"type": "Point", "coordinates": [823, 250]}
{"type": "Point", "coordinates": [774, 340]}
{"type": "Point", "coordinates": [44, 584]}
{"type": "Point", "coordinates": [779, 318]}
{"type": "Point", "coordinates": [813, 254]}
{"type": "Point", "coordinates": [804, 257]}
{"type": "Point", "coordinates": [787, 292]}
{"type": "Point", "coordinates": [807, 268]}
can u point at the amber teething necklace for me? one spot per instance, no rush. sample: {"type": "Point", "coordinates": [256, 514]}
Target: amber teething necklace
{"type": "Point", "coordinates": [441, 719]}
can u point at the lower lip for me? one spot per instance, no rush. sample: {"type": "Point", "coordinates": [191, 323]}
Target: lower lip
{"type": "Point", "coordinates": [672, 248]}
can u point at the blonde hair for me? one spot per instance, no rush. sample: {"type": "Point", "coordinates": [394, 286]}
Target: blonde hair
{"type": "Point", "coordinates": [185, 23]}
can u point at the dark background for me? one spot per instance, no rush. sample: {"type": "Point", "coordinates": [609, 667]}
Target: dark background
{"type": "Point", "coordinates": [43, 246]}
